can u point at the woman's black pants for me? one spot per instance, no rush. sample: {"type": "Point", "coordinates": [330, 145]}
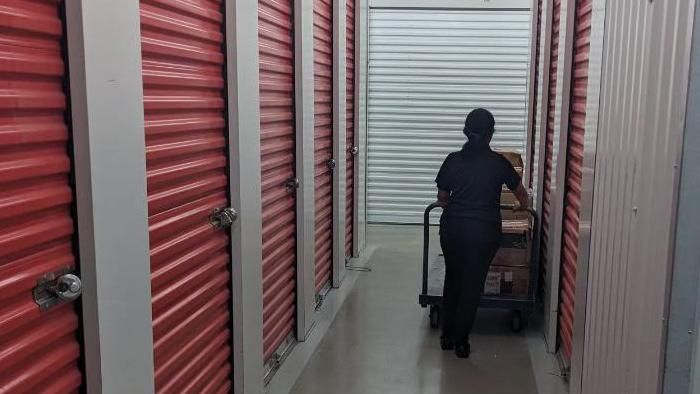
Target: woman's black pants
{"type": "Point", "coordinates": [469, 247]}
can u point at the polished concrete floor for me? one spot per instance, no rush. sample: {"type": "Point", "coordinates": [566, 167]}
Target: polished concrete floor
{"type": "Point", "coordinates": [380, 341]}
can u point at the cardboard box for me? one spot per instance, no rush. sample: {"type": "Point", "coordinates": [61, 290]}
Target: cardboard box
{"type": "Point", "coordinates": [515, 240]}
{"type": "Point", "coordinates": [512, 257]}
{"type": "Point", "coordinates": [493, 283]}
{"type": "Point", "coordinates": [514, 158]}
{"type": "Point", "coordinates": [508, 198]}
{"type": "Point", "coordinates": [507, 281]}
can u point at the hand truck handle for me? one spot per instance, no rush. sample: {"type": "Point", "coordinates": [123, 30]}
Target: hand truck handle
{"type": "Point", "coordinates": [426, 235]}
{"type": "Point", "coordinates": [426, 243]}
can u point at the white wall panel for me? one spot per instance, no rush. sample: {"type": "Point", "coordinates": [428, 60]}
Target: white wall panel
{"type": "Point", "coordinates": [427, 70]}
{"type": "Point", "coordinates": [643, 100]}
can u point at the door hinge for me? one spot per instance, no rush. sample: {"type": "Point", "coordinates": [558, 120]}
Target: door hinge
{"type": "Point", "coordinates": [56, 288]}
{"type": "Point", "coordinates": [222, 218]}
{"type": "Point", "coordinates": [331, 164]}
{"type": "Point", "coordinates": [354, 150]}
{"type": "Point", "coordinates": [292, 184]}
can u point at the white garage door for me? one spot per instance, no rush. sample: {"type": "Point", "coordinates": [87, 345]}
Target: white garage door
{"type": "Point", "coordinates": [428, 69]}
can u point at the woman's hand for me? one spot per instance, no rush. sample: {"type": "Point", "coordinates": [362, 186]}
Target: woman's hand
{"type": "Point", "coordinates": [523, 199]}
{"type": "Point", "coordinates": [443, 198]}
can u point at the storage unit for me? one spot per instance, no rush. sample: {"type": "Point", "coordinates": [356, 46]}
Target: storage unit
{"type": "Point", "coordinates": [323, 139]}
{"type": "Point", "coordinates": [535, 108]}
{"type": "Point", "coordinates": [278, 166]}
{"type": "Point", "coordinates": [187, 181]}
{"type": "Point", "coordinates": [427, 69]}
{"type": "Point", "coordinates": [548, 154]}
{"type": "Point", "coordinates": [352, 150]}
{"type": "Point", "coordinates": [39, 347]}
{"type": "Point", "coordinates": [574, 175]}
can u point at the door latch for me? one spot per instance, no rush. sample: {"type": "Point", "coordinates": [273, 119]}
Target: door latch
{"type": "Point", "coordinates": [222, 218]}
{"type": "Point", "coordinates": [331, 164]}
{"type": "Point", "coordinates": [292, 184]}
{"type": "Point", "coordinates": [57, 288]}
{"type": "Point", "coordinates": [354, 150]}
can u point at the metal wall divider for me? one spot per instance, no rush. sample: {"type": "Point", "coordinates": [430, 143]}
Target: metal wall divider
{"type": "Point", "coordinates": [242, 77]}
{"type": "Point", "coordinates": [104, 56]}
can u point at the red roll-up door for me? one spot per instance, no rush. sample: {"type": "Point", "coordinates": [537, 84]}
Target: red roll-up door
{"type": "Point", "coordinates": [185, 105]}
{"type": "Point", "coordinates": [536, 87]}
{"type": "Point", "coordinates": [549, 146]}
{"type": "Point", "coordinates": [574, 174]}
{"type": "Point", "coordinates": [39, 349]}
{"type": "Point", "coordinates": [323, 137]}
{"type": "Point", "coordinates": [350, 126]}
{"type": "Point", "coordinates": [276, 41]}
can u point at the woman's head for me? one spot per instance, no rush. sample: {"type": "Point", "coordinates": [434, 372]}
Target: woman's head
{"type": "Point", "coordinates": [479, 126]}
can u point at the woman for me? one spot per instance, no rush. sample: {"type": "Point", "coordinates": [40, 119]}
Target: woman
{"type": "Point", "coordinates": [469, 190]}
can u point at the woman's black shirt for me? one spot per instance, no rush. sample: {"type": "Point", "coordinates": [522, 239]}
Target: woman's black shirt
{"type": "Point", "coordinates": [475, 181]}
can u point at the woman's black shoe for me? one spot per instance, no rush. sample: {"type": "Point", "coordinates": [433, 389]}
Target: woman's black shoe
{"type": "Point", "coordinates": [463, 351]}
{"type": "Point", "coordinates": [446, 344]}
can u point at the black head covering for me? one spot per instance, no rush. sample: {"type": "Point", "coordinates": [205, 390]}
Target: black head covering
{"type": "Point", "coordinates": [479, 128]}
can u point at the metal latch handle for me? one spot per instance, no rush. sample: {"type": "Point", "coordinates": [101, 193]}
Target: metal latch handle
{"type": "Point", "coordinates": [292, 184]}
{"type": "Point", "coordinates": [222, 218]}
{"type": "Point", "coordinates": [57, 288]}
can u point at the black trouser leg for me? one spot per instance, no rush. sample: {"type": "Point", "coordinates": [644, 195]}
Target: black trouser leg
{"type": "Point", "coordinates": [450, 291]}
{"type": "Point", "coordinates": [476, 259]}
{"type": "Point", "coordinates": [469, 249]}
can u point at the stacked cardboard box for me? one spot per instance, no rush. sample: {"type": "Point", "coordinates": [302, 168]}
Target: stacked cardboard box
{"type": "Point", "coordinates": [509, 274]}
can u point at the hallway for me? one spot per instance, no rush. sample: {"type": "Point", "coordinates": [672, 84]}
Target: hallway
{"type": "Point", "coordinates": [380, 341]}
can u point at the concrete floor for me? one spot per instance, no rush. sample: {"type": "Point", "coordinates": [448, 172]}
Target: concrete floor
{"type": "Point", "coordinates": [380, 341]}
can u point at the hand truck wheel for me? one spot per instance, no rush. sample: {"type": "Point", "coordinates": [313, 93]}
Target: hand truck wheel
{"type": "Point", "coordinates": [434, 316]}
{"type": "Point", "coordinates": [517, 321]}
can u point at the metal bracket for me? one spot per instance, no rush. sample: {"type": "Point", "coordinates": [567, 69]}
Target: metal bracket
{"type": "Point", "coordinates": [331, 164]}
{"type": "Point", "coordinates": [56, 288]}
{"type": "Point", "coordinates": [222, 218]}
{"type": "Point", "coordinates": [319, 301]}
{"type": "Point", "coordinates": [275, 361]}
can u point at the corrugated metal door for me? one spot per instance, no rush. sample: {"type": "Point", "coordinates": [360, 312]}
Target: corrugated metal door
{"type": "Point", "coordinates": [574, 174]}
{"type": "Point", "coordinates": [428, 69]}
{"type": "Point", "coordinates": [184, 101]}
{"type": "Point", "coordinates": [323, 139]}
{"type": "Point", "coordinates": [350, 126]}
{"type": "Point", "coordinates": [537, 94]}
{"type": "Point", "coordinates": [549, 134]}
{"type": "Point", "coordinates": [39, 350]}
{"type": "Point", "coordinates": [277, 143]}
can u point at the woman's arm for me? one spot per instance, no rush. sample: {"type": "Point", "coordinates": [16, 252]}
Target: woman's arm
{"type": "Point", "coordinates": [443, 198]}
{"type": "Point", "coordinates": [521, 194]}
